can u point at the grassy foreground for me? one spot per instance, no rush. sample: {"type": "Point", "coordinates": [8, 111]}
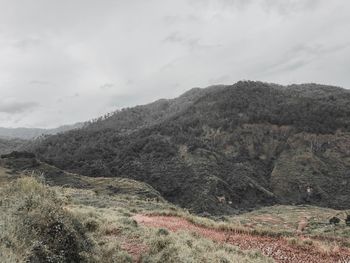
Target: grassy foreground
{"type": "Point", "coordinates": [42, 223]}
{"type": "Point", "coordinates": [39, 223]}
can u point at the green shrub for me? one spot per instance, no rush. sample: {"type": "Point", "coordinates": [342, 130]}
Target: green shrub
{"type": "Point", "coordinates": [185, 248]}
{"type": "Point", "coordinates": [127, 221]}
{"type": "Point", "coordinates": [347, 220]}
{"type": "Point", "coordinates": [162, 232]}
{"type": "Point", "coordinates": [114, 254]}
{"type": "Point", "coordinates": [91, 225]}
{"type": "Point", "coordinates": [35, 227]}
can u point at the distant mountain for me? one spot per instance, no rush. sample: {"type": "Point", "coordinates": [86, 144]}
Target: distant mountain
{"type": "Point", "coordinates": [9, 145]}
{"type": "Point", "coordinates": [31, 133]}
{"type": "Point", "coordinates": [222, 148]}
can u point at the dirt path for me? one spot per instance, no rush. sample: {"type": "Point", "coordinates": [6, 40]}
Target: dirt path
{"type": "Point", "coordinates": [277, 248]}
{"type": "Point", "coordinates": [135, 248]}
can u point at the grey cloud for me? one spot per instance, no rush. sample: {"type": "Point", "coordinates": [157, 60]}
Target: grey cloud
{"type": "Point", "coordinates": [70, 97]}
{"type": "Point", "coordinates": [189, 42]}
{"type": "Point", "coordinates": [235, 3]}
{"type": "Point", "coordinates": [17, 107]}
{"type": "Point", "coordinates": [319, 49]}
{"type": "Point", "coordinates": [301, 55]}
{"type": "Point", "coordinates": [170, 20]}
{"type": "Point", "coordinates": [176, 19]}
{"type": "Point", "coordinates": [240, 4]}
{"type": "Point", "coordinates": [293, 65]}
{"type": "Point", "coordinates": [282, 7]}
{"type": "Point", "coordinates": [83, 58]}
{"type": "Point", "coordinates": [219, 80]}
{"type": "Point", "coordinates": [290, 6]}
{"type": "Point", "coordinates": [27, 43]}
{"type": "Point", "coordinates": [40, 82]}
{"type": "Point", "coordinates": [122, 101]}
{"type": "Point", "coordinates": [107, 86]}
{"type": "Point", "coordinates": [174, 38]}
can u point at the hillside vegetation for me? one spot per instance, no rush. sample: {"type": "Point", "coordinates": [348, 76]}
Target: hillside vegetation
{"type": "Point", "coordinates": [222, 149]}
{"type": "Point", "coordinates": [50, 223]}
{"type": "Point", "coordinates": [9, 145]}
{"type": "Point", "coordinates": [41, 223]}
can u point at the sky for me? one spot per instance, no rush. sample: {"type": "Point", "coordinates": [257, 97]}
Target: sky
{"type": "Point", "coordinates": [66, 61]}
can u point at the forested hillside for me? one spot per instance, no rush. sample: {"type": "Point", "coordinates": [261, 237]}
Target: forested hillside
{"type": "Point", "coordinates": [9, 145]}
{"type": "Point", "coordinates": [222, 148]}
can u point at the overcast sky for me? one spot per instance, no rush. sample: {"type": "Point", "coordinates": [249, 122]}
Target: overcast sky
{"type": "Point", "coordinates": [64, 61]}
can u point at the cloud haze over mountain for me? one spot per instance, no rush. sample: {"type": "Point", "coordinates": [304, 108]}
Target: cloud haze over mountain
{"type": "Point", "coordinates": [68, 61]}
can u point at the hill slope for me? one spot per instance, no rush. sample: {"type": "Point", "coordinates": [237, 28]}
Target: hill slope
{"type": "Point", "coordinates": [223, 148]}
{"type": "Point", "coordinates": [9, 145]}
{"type": "Point", "coordinates": [26, 164]}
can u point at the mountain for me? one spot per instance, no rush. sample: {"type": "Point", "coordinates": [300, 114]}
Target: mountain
{"type": "Point", "coordinates": [223, 148]}
{"type": "Point", "coordinates": [9, 145]}
{"type": "Point", "coordinates": [31, 133]}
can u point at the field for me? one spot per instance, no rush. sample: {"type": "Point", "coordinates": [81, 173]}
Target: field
{"type": "Point", "coordinates": [89, 226]}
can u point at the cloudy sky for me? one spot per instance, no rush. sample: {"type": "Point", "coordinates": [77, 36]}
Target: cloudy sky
{"type": "Point", "coordinates": [63, 61]}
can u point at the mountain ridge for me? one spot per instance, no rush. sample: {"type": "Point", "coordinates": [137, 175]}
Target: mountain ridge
{"type": "Point", "coordinates": [31, 133]}
{"type": "Point", "coordinates": [248, 142]}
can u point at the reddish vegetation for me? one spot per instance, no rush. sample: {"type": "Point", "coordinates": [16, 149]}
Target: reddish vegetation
{"type": "Point", "coordinates": [135, 248]}
{"type": "Point", "coordinates": [277, 248]}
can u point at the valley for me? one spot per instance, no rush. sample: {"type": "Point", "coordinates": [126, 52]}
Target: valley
{"type": "Point", "coordinates": [190, 131]}
{"type": "Point", "coordinates": [249, 172]}
{"type": "Point", "coordinates": [121, 220]}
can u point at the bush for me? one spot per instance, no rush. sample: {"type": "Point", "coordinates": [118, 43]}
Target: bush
{"type": "Point", "coordinates": [183, 247]}
{"type": "Point", "coordinates": [334, 220]}
{"type": "Point", "coordinates": [162, 232]}
{"type": "Point", "coordinates": [114, 254]}
{"type": "Point", "coordinates": [91, 225]}
{"type": "Point", "coordinates": [34, 227]}
{"type": "Point", "coordinates": [347, 220]}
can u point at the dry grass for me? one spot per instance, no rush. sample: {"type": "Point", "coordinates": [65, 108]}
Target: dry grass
{"type": "Point", "coordinates": [105, 221]}
{"type": "Point", "coordinates": [224, 226]}
{"type": "Point", "coordinates": [115, 227]}
{"type": "Point", "coordinates": [275, 226]}
{"type": "Point", "coordinates": [94, 227]}
{"type": "Point", "coordinates": [183, 247]}
{"type": "Point", "coordinates": [34, 227]}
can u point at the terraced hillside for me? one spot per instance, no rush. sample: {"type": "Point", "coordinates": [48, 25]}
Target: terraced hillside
{"type": "Point", "coordinates": [222, 149]}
